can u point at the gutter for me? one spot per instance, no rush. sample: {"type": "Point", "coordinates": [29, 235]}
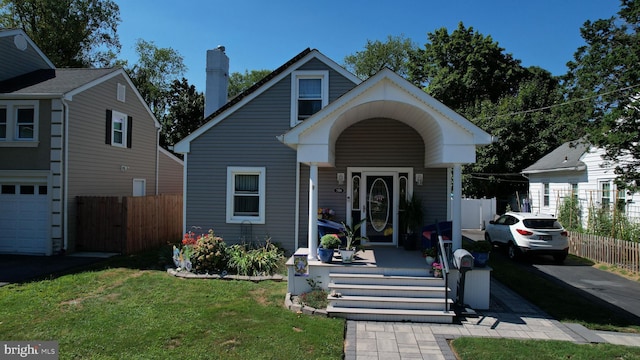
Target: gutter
{"type": "Point", "coordinates": [65, 176]}
{"type": "Point", "coordinates": [573, 168]}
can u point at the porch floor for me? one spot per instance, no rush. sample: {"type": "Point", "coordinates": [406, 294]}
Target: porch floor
{"type": "Point", "coordinates": [380, 257]}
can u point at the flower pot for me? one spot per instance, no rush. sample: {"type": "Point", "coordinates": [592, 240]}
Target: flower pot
{"type": "Point", "coordinates": [325, 255]}
{"type": "Point", "coordinates": [437, 273]}
{"type": "Point", "coordinates": [480, 258]}
{"type": "Point", "coordinates": [347, 255]}
{"type": "Point", "coordinates": [430, 260]}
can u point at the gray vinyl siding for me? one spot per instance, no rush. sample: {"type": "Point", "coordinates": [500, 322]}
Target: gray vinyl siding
{"type": "Point", "coordinates": [31, 158]}
{"type": "Point", "coordinates": [376, 143]}
{"type": "Point", "coordinates": [248, 138]}
{"type": "Point", "coordinates": [95, 167]}
{"type": "Point", "coordinates": [21, 62]}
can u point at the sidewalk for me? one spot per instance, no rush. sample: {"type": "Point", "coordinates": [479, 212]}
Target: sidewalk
{"type": "Point", "coordinates": [509, 317]}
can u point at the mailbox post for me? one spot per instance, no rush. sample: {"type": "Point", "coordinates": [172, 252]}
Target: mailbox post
{"type": "Point", "coordinates": [463, 261]}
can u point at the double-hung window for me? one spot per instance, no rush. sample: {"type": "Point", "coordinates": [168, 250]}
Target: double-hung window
{"type": "Point", "coordinates": [18, 123]}
{"type": "Point", "coordinates": [605, 195]}
{"type": "Point", "coordinates": [119, 127]}
{"type": "Point", "coordinates": [545, 201]}
{"type": "Point", "coordinates": [246, 194]}
{"type": "Point", "coordinates": [309, 94]}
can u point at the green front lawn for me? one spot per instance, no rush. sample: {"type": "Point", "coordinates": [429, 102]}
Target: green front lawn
{"type": "Point", "coordinates": [511, 349]}
{"type": "Point", "coordinates": [129, 313]}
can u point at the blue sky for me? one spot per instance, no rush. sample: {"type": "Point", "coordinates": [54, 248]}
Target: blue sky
{"type": "Point", "coordinates": [264, 34]}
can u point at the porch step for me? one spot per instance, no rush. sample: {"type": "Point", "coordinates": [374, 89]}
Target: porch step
{"type": "Point", "coordinates": [373, 314]}
{"type": "Point", "coordinates": [383, 297]}
{"type": "Point", "coordinates": [364, 278]}
{"type": "Point", "coordinates": [407, 303]}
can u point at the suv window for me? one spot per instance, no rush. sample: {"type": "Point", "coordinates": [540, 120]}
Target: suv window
{"type": "Point", "coordinates": [542, 224]}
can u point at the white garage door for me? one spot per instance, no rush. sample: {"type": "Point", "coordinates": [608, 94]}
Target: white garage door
{"type": "Point", "coordinates": [24, 219]}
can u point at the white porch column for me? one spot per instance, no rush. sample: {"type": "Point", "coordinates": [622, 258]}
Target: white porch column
{"type": "Point", "coordinates": [313, 212]}
{"type": "Point", "coordinates": [456, 220]}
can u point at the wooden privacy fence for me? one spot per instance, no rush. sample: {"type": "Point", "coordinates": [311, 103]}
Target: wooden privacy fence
{"type": "Point", "coordinates": [127, 224]}
{"type": "Point", "coordinates": [621, 253]}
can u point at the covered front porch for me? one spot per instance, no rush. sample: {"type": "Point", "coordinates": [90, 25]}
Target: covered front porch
{"type": "Point", "coordinates": [388, 284]}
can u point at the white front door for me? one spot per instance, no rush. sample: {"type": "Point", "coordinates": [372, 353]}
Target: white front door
{"type": "Point", "coordinates": [374, 195]}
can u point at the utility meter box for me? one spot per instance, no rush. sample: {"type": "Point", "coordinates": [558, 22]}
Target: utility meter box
{"type": "Point", "coordinates": [463, 260]}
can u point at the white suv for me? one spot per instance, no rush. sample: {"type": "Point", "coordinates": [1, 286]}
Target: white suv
{"type": "Point", "coordinates": [527, 233]}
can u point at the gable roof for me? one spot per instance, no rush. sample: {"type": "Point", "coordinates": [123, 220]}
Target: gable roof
{"type": "Point", "coordinates": [54, 82]}
{"type": "Point", "coordinates": [183, 146]}
{"type": "Point", "coordinates": [566, 157]}
{"type": "Point", "coordinates": [21, 53]}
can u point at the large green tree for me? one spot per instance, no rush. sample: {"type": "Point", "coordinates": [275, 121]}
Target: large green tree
{"type": "Point", "coordinates": [606, 71]}
{"type": "Point", "coordinates": [464, 67]}
{"type": "Point", "coordinates": [393, 53]}
{"type": "Point", "coordinates": [72, 33]}
{"type": "Point", "coordinates": [153, 74]}
{"type": "Point", "coordinates": [185, 112]}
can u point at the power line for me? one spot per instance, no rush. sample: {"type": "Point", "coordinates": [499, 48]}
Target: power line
{"type": "Point", "coordinates": [556, 105]}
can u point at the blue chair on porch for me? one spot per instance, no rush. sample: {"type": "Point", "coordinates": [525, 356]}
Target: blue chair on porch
{"type": "Point", "coordinates": [430, 233]}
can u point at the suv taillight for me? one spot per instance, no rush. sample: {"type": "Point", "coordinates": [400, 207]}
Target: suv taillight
{"type": "Point", "coordinates": [564, 233]}
{"type": "Point", "coordinates": [524, 232]}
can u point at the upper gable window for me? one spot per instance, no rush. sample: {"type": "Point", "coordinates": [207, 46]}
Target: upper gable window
{"type": "Point", "coordinates": [119, 129]}
{"type": "Point", "coordinates": [18, 123]}
{"type": "Point", "coordinates": [309, 94]}
{"type": "Point", "coordinates": [121, 93]}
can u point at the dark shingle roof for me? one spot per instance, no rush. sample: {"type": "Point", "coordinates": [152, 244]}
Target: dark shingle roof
{"type": "Point", "coordinates": [565, 157]}
{"type": "Point", "coordinates": [64, 81]}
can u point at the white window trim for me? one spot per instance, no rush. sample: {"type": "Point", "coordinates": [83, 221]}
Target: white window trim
{"type": "Point", "coordinates": [239, 170]}
{"type": "Point", "coordinates": [12, 139]}
{"type": "Point", "coordinates": [323, 75]}
{"type": "Point", "coordinates": [114, 116]}
{"type": "Point", "coordinates": [611, 191]}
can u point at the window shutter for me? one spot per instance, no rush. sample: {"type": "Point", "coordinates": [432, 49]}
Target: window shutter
{"type": "Point", "coordinates": [108, 132]}
{"type": "Point", "coordinates": [129, 131]}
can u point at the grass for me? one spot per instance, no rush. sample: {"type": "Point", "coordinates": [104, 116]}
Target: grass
{"type": "Point", "coordinates": [128, 309]}
{"type": "Point", "coordinates": [512, 349]}
{"type": "Point", "coordinates": [561, 303]}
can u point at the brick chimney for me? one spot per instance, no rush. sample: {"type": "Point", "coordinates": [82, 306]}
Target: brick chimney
{"type": "Point", "coordinates": [217, 80]}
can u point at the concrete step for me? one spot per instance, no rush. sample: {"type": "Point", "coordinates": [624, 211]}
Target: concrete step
{"type": "Point", "coordinates": [373, 314]}
{"type": "Point", "coordinates": [389, 302]}
{"type": "Point", "coordinates": [388, 290]}
{"type": "Point", "coordinates": [381, 279]}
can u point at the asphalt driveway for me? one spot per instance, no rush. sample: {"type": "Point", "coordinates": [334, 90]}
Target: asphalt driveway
{"type": "Point", "coordinates": [22, 268]}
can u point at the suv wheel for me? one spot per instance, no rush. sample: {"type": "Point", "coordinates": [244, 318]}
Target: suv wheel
{"type": "Point", "coordinates": [559, 258]}
{"type": "Point", "coordinates": [512, 251]}
{"type": "Point", "coordinates": [488, 238]}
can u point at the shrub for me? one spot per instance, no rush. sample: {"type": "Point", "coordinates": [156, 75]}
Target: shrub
{"type": "Point", "coordinates": [330, 241]}
{"type": "Point", "coordinates": [570, 213]}
{"type": "Point", "coordinates": [262, 260]}
{"type": "Point", "coordinates": [210, 254]}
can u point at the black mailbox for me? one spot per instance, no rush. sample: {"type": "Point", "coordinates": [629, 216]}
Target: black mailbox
{"type": "Point", "coordinates": [463, 260]}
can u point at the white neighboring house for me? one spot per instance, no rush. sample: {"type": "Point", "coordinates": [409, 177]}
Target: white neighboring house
{"type": "Point", "coordinates": [579, 169]}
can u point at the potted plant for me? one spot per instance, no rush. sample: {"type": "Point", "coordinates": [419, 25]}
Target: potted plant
{"type": "Point", "coordinates": [430, 255]}
{"type": "Point", "coordinates": [411, 217]}
{"type": "Point", "coordinates": [479, 250]}
{"type": "Point", "coordinates": [353, 239]}
{"type": "Point", "coordinates": [328, 243]}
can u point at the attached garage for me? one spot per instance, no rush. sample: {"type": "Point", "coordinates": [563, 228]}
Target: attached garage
{"type": "Point", "coordinates": [24, 218]}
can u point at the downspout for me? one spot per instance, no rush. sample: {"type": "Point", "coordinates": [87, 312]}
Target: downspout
{"type": "Point", "coordinates": [65, 176]}
{"type": "Point", "coordinates": [184, 193]}
{"type": "Point", "coordinates": [297, 214]}
{"type": "Point", "coordinates": [157, 157]}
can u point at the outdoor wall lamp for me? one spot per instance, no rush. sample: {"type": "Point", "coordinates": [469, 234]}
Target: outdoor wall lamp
{"type": "Point", "coordinates": [419, 179]}
{"type": "Point", "coordinates": [340, 178]}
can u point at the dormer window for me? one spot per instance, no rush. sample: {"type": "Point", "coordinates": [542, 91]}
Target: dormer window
{"type": "Point", "coordinates": [309, 94]}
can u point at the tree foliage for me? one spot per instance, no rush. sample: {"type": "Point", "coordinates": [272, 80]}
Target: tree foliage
{"type": "Point", "coordinates": [394, 54]}
{"type": "Point", "coordinates": [72, 33]}
{"type": "Point", "coordinates": [239, 82]}
{"type": "Point", "coordinates": [154, 73]}
{"type": "Point", "coordinates": [465, 67]}
{"type": "Point", "coordinates": [606, 70]}
{"type": "Point", "coordinates": [185, 112]}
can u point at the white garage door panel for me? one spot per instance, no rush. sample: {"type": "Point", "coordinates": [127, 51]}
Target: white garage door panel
{"type": "Point", "coordinates": [24, 220]}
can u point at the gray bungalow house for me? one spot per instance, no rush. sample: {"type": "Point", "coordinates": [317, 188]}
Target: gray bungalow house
{"type": "Point", "coordinates": [312, 135]}
{"type": "Point", "coordinates": [67, 133]}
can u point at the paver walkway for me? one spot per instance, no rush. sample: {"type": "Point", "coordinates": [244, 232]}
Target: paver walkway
{"type": "Point", "coordinates": [510, 316]}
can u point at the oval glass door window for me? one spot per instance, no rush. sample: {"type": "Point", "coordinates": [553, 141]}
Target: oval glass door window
{"type": "Point", "coordinates": [379, 206]}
